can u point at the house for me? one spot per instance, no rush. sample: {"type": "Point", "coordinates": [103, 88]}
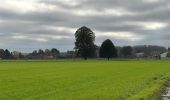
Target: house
{"type": "Point", "coordinates": [48, 57]}
{"type": "Point", "coordinates": [164, 55]}
{"type": "Point", "coordinates": [155, 55]}
{"type": "Point", "coordinates": [140, 55]}
{"type": "Point", "coordinates": [68, 54]}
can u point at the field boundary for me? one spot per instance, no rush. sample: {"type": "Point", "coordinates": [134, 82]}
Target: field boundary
{"type": "Point", "coordinates": [153, 91]}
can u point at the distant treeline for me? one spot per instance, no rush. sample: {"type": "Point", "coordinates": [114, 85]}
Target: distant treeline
{"type": "Point", "coordinates": [86, 48]}
{"type": "Point", "coordinates": [36, 54]}
{"type": "Point", "coordinates": [148, 51]}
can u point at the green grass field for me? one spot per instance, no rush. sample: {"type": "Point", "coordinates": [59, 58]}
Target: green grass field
{"type": "Point", "coordinates": [82, 80]}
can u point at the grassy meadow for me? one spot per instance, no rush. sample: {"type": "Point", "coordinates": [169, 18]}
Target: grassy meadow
{"type": "Point", "coordinates": [83, 80]}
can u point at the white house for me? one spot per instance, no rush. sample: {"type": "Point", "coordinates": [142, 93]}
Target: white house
{"type": "Point", "coordinates": [164, 55]}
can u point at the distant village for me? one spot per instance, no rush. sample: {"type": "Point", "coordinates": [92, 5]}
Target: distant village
{"type": "Point", "coordinates": [126, 52]}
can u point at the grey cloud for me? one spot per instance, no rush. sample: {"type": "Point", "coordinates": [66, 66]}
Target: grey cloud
{"type": "Point", "coordinates": [37, 23]}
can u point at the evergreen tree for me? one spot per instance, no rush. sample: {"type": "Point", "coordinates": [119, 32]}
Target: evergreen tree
{"type": "Point", "coordinates": [108, 50]}
{"type": "Point", "coordinates": [84, 44]}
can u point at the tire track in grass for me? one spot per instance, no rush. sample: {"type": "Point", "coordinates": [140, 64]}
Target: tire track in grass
{"type": "Point", "coordinates": [153, 91]}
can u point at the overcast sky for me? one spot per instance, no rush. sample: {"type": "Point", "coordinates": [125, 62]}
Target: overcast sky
{"type": "Point", "coordinates": [32, 24]}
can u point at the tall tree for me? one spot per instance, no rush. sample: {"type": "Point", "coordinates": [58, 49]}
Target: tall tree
{"type": "Point", "coordinates": [84, 44]}
{"type": "Point", "coordinates": [108, 50]}
{"type": "Point", "coordinates": [47, 52]}
{"type": "Point", "coordinates": [20, 56]}
{"type": "Point", "coordinates": [41, 53]}
{"type": "Point", "coordinates": [34, 53]}
{"type": "Point", "coordinates": [127, 51]}
{"type": "Point", "coordinates": [2, 53]}
{"type": "Point", "coordinates": [7, 54]}
{"type": "Point", "coordinates": [55, 52]}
